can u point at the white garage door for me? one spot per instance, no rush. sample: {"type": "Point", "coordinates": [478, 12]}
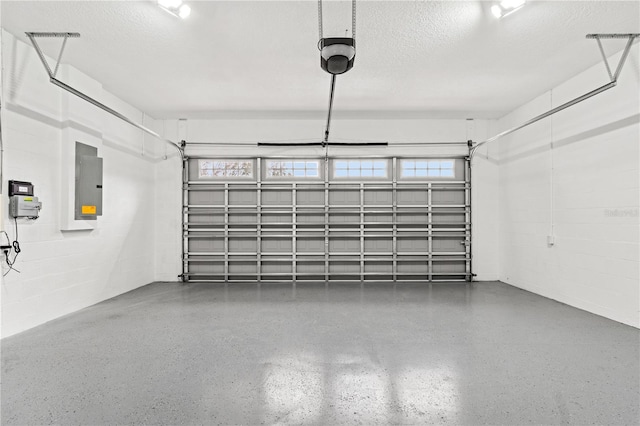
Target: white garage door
{"type": "Point", "coordinates": [309, 219]}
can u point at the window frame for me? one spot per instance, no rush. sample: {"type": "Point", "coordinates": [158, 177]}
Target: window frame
{"type": "Point", "coordinates": [267, 161]}
{"type": "Point", "coordinates": [426, 176]}
{"type": "Point", "coordinates": [226, 160]}
{"type": "Point", "coordinates": [336, 162]}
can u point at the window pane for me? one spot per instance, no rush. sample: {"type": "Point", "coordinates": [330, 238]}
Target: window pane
{"type": "Point", "coordinates": [297, 168]}
{"type": "Point", "coordinates": [361, 168]}
{"type": "Point", "coordinates": [312, 167]}
{"type": "Point", "coordinates": [222, 168]}
{"type": "Point", "coordinates": [425, 168]}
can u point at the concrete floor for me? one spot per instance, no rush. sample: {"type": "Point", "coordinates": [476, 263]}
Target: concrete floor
{"type": "Point", "coordinates": [213, 354]}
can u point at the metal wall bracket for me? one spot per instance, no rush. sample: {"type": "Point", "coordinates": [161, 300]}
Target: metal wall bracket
{"type": "Point", "coordinates": [65, 36]}
{"type": "Point", "coordinates": [631, 38]}
{"type": "Point", "coordinates": [52, 78]}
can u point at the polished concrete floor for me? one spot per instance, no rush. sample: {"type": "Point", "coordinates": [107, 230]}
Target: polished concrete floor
{"type": "Point", "coordinates": [167, 353]}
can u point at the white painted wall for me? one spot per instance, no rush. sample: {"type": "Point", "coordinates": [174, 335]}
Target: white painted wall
{"type": "Point", "coordinates": [62, 272]}
{"type": "Point", "coordinates": [575, 176]}
{"type": "Point", "coordinates": [249, 131]}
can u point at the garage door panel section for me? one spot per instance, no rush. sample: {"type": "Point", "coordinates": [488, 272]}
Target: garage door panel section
{"type": "Point", "coordinates": [352, 219]}
{"type": "Point", "coordinates": [279, 197]}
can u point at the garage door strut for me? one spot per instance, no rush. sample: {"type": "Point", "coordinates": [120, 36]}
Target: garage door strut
{"type": "Point", "coordinates": [52, 78]}
{"type": "Point", "coordinates": [612, 76]}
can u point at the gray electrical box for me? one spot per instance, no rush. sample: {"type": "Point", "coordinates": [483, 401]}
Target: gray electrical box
{"type": "Point", "coordinates": [24, 206]}
{"type": "Point", "coordinates": [88, 200]}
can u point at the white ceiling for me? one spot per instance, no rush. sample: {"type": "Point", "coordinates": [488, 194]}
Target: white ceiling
{"type": "Point", "coordinates": [259, 58]}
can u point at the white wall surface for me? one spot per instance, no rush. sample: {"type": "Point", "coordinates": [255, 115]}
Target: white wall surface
{"type": "Point", "coordinates": [575, 176]}
{"type": "Point", "coordinates": [394, 131]}
{"type": "Point", "coordinates": [64, 271]}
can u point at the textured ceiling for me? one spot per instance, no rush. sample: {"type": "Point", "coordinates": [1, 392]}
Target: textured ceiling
{"type": "Point", "coordinates": [259, 58]}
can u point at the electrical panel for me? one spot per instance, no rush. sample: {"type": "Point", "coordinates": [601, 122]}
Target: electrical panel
{"type": "Point", "coordinates": [88, 188]}
{"type": "Point", "coordinates": [22, 203]}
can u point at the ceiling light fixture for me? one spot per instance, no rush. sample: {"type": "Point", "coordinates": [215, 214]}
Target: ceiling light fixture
{"type": "Point", "coordinates": [175, 7]}
{"type": "Point", "coordinates": [506, 7]}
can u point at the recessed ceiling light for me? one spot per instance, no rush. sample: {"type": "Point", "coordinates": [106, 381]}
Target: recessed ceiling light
{"type": "Point", "coordinates": [175, 7]}
{"type": "Point", "coordinates": [506, 7]}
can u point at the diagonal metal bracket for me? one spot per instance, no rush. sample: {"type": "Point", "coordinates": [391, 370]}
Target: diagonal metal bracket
{"type": "Point", "coordinates": [32, 36]}
{"type": "Point", "coordinates": [52, 78]}
{"type": "Point", "coordinates": [631, 38]}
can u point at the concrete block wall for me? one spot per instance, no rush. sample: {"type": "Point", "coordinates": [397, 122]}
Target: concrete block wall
{"type": "Point", "coordinates": [575, 177]}
{"type": "Point", "coordinates": [64, 271]}
{"type": "Point", "coordinates": [168, 212]}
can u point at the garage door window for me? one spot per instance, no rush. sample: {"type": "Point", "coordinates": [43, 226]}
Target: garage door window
{"type": "Point", "coordinates": [211, 169]}
{"type": "Point", "coordinates": [427, 168]}
{"type": "Point", "coordinates": [360, 168]}
{"type": "Point", "coordinates": [299, 168]}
